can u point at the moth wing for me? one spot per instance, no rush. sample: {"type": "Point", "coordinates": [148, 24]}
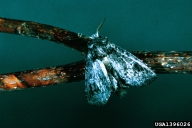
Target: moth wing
{"type": "Point", "coordinates": [131, 70]}
{"type": "Point", "coordinates": [97, 83]}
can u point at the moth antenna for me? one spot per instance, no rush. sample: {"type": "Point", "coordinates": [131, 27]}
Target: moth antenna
{"type": "Point", "coordinates": [97, 31]}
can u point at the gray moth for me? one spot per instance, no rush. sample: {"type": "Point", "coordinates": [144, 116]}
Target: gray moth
{"type": "Point", "coordinates": [110, 68]}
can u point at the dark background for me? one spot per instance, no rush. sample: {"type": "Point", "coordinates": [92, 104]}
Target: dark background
{"type": "Point", "coordinates": [146, 25]}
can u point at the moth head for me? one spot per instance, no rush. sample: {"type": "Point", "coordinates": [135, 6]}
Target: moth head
{"type": "Point", "coordinates": [98, 47]}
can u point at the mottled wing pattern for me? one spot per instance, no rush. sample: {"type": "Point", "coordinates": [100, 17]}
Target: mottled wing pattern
{"type": "Point", "coordinates": [131, 70]}
{"type": "Point", "coordinates": [97, 86]}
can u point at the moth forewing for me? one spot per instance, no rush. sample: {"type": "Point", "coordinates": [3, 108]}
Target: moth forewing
{"type": "Point", "coordinates": [131, 70]}
{"type": "Point", "coordinates": [97, 86]}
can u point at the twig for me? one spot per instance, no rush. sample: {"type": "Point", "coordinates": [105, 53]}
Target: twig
{"type": "Point", "coordinates": [32, 29]}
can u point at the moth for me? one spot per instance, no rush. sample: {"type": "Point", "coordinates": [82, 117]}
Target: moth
{"type": "Point", "coordinates": [110, 68]}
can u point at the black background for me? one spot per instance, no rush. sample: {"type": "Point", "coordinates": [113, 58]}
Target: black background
{"type": "Point", "coordinates": [146, 25]}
